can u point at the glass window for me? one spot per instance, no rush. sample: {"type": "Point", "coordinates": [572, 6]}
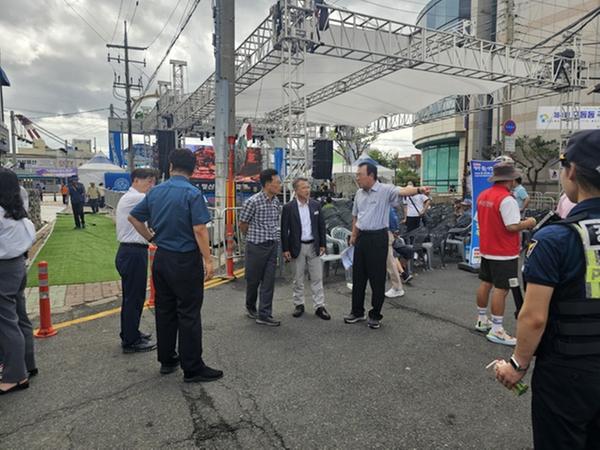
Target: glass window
{"type": "Point", "coordinates": [440, 165]}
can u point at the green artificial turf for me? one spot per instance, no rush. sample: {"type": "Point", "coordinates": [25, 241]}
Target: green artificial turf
{"type": "Point", "coordinates": [79, 256]}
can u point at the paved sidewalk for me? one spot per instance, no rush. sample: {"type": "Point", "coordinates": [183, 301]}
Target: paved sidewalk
{"type": "Point", "coordinates": [63, 298]}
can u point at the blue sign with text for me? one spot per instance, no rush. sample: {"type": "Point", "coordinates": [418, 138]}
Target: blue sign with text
{"type": "Point", "coordinates": [480, 172]}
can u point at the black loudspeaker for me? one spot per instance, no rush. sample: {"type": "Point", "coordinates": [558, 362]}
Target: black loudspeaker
{"type": "Point", "coordinates": [322, 159]}
{"type": "Point", "coordinates": [166, 144]}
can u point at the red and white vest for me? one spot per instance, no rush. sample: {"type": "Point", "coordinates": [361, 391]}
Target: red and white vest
{"type": "Point", "coordinates": [494, 238]}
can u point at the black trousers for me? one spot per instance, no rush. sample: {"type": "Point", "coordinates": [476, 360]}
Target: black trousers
{"type": "Point", "coordinates": [132, 264]}
{"type": "Point", "coordinates": [78, 214]}
{"type": "Point", "coordinates": [370, 257]}
{"type": "Point", "coordinates": [65, 199]}
{"type": "Point", "coordinates": [179, 293]}
{"type": "Point", "coordinates": [94, 205]}
{"type": "Point", "coordinates": [565, 408]}
{"type": "Point", "coordinates": [412, 223]}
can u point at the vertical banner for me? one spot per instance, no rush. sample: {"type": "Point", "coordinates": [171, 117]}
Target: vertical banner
{"type": "Point", "coordinates": [115, 149]}
{"type": "Point", "coordinates": [279, 161]}
{"type": "Point", "coordinates": [480, 172]}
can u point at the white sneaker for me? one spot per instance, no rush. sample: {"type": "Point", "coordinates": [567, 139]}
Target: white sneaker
{"type": "Point", "coordinates": [349, 286]}
{"type": "Point", "coordinates": [393, 293]}
{"type": "Point", "coordinates": [484, 325]}
{"type": "Point", "coordinates": [501, 337]}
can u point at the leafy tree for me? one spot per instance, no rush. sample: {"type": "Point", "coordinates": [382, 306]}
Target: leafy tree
{"type": "Point", "coordinates": [405, 170]}
{"type": "Point", "coordinates": [351, 142]}
{"type": "Point", "coordinates": [533, 155]}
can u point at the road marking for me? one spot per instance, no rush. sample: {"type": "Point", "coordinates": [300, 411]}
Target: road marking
{"type": "Point", "coordinates": [210, 284]}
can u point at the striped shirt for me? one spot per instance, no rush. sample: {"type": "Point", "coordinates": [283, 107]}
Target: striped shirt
{"type": "Point", "coordinates": [262, 215]}
{"type": "Point", "coordinates": [372, 208]}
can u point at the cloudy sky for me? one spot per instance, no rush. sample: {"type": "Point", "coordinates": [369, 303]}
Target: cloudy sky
{"type": "Point", "coordinates": [54, 53]}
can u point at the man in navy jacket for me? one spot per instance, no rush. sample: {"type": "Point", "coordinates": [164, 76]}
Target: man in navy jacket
{"type": "Point", "coordinates": [303, 241]}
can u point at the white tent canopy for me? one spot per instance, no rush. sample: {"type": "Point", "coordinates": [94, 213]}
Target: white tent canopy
{"type": "Point", "coordinates": [402, 91]}
{"type": "Point", "coordinates": [93, 171]}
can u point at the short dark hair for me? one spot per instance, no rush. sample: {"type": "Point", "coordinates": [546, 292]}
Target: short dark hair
{"type": "Point", "coordinates": [587, 178]}
{"type": "Point", "coordinates": [266, 176]}
{"type": "Point", "coordinates": [298, 180]}
{"type": "Point", "coordinates": [519, 180]}
{"type": "Point", "coordinates": [183, 160]}
{"type": "Point", "coordinates": [143, 174]}
{"type": "Point", "coordinates": [371, 169]}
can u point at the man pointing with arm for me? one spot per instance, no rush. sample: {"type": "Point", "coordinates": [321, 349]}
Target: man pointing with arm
{"type": "Point", "coordinates": [370, 222]}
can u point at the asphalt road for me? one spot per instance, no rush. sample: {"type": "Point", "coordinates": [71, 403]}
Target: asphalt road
{"type": "Point", "coordinates": [417, 383]}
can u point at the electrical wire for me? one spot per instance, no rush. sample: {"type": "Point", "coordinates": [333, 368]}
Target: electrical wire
{"type": "Point", "coordinates": [165, 25]}
{"type": "Point", "coordinates": [171, 45]}
{"type": "Point", "coordinates": [117, 22]}
{"type": "Point", "coordinates": [137, 2]}
{"type": "Point", "coordinates": [75, 113]}
{"type": "Point", "coordinates": [86, 22]}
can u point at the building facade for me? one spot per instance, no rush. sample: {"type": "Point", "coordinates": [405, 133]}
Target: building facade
{"type": "Point", "coordinates": [449, 144]}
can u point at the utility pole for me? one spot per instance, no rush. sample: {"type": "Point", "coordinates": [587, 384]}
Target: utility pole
{"type": "Point", "coordinates": [224, 16]}
{"type": "Point", "coordinates": [128, 85]}
{"type": "Point", "coordinates": [13, 138]}
{"type": "Point", "coordinates": [224, 38]}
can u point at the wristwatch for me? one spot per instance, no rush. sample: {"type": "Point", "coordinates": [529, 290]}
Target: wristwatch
{"type": "Point", "coordinates": [418, 190]}
{"type": "Point", "coordinates": [515, 364]}
{"type": "Point", "coordinates": [152, 238]}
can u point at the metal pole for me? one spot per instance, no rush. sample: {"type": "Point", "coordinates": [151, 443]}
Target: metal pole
{"type": "Point", "coordinates": [13, 139]}
{"type": "Point", "coordinates": [224, 15]}
{"type": "Point", "coordinates": [1, 105]}
{"type": "Point", "coordinates": [131, 154]}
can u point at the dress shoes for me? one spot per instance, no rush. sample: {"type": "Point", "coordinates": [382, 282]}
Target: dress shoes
{"type": "Point", "coordinates": [143, 345]}
{"type": "Point", "coordinates": [146, 336]}
{"type": "Point", "coordinates": [203, 375]}
{"type": "Point", "coordinates": [16, 387]}
{"type": "Point", "coordinates": [322, 313]}
{"type": "Point", "coordinates": [298, 311]}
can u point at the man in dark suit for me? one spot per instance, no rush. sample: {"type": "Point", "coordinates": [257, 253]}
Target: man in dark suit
{"type": "Point", "coordinates": [303, 242]}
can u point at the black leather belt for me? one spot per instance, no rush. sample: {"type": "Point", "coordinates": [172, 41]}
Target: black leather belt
{"type": "Point", "coordinates": [134, 244]}
{"type": "Point", "coordinates": [308, 242]}
{"type": "Point", "coordinates": [382, 230]}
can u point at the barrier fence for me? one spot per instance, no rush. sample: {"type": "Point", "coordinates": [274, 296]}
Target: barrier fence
{"type": "Point", "coordinates": [217, 234]}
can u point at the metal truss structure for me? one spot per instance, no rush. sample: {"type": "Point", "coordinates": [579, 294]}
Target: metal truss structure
{"type": "Point", "coordinates": [296, 29]}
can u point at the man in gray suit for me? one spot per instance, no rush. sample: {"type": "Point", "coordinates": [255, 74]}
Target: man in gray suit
{"type": "Point", "coordinates": [303, 241]}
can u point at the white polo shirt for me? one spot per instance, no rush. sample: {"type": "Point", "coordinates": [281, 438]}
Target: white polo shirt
{"type": "Point", "coordinates": [16, 236]}
{"type": "Point", "coordinates": [126, 233]}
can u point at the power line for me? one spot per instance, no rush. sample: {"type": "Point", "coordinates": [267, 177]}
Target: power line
{"type": "Point", "coordinates": [393, 7]}
{"type": "Point", "coordinates": [171, 45]}
{"type": "Point", "coordinates": [137, 2]}
{"type": "Point", "coordinates": [165, 25]}
{"type": "Point", "coordinates": [117, 22]}
{"type": "Point", "coordinates": [74, 113]}
{"type": "Point", "coordinates": [86, 22]}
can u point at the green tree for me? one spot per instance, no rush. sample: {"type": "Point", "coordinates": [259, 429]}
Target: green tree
{"type": "Point", "coordinates": [405, 170]}
{"type": "Point", "coordinates": [351, 142]}
{"type": "Point", "coordinates": [533, 155]}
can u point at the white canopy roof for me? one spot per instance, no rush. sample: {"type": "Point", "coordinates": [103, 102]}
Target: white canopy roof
{"type": "Point", "coordinates": [403, 91]}
{"type": "Point", "coordinates": [93, 171]}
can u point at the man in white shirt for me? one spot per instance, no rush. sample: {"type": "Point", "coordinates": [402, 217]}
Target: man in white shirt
{"type": "Point", "coordinates": [415, 207]}
{"type": "Point", "coordinates": [132, 264]}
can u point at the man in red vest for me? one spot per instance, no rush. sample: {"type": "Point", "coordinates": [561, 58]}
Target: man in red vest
{"type": "Point", "coordinates": [500, 225]}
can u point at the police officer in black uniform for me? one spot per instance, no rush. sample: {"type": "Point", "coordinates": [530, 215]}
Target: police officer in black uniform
{"type": "Point", "coordinates": [560, 318]}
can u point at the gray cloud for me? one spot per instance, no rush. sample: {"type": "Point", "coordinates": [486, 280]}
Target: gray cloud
{"type": "Point", "coordinates": [57, 63]}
